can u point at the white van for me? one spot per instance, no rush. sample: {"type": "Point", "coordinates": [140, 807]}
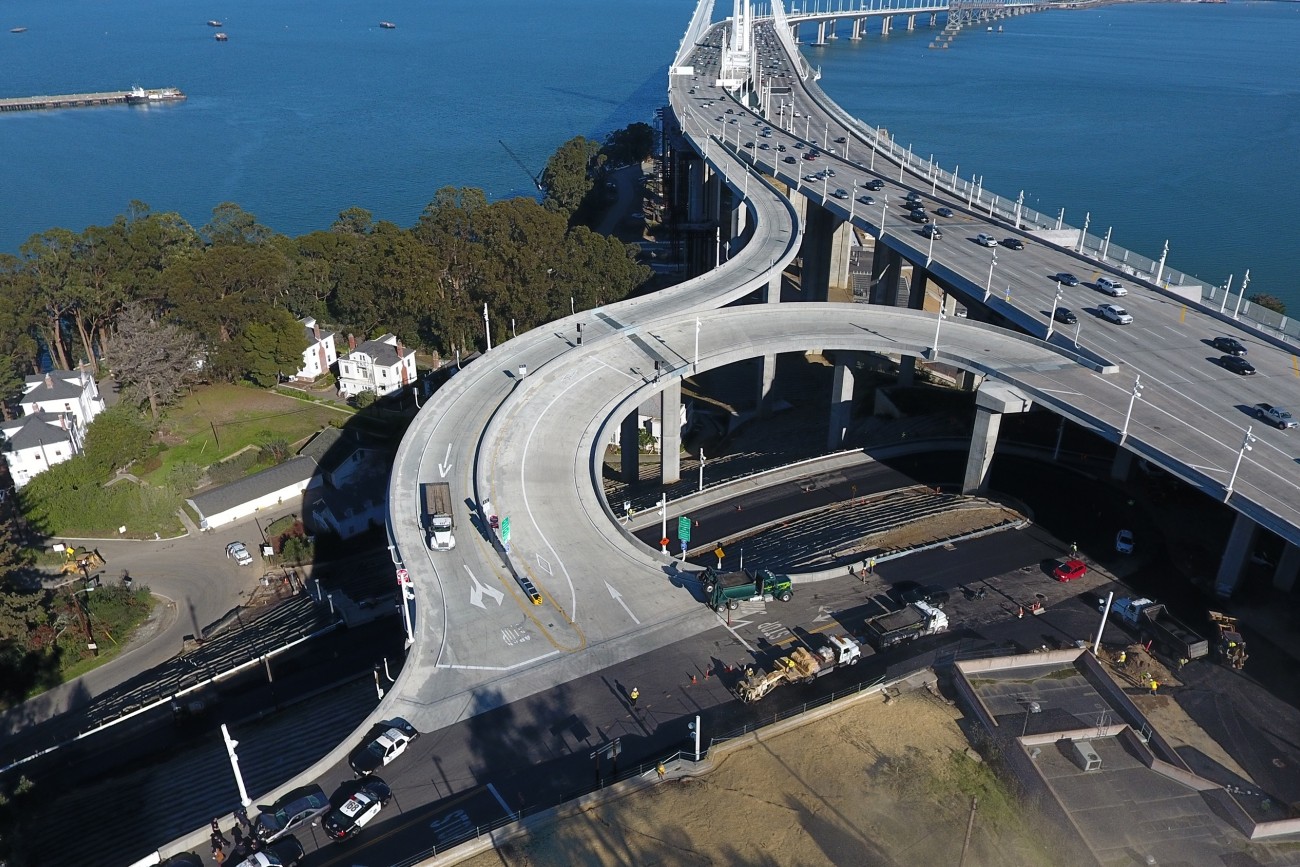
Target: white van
{"type": "Point", "coordinates": [1111, 287]}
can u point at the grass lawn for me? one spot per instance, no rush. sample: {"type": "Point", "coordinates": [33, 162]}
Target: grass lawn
{"type": "Point", "coordinates": [240, 416]}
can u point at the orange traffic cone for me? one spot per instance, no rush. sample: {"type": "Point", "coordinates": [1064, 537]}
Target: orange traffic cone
{"type": "Point", "coordinates": [1020, 612]}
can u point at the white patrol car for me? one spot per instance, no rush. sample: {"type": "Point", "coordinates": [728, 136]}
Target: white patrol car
{"type": "Point", "coordinates": [358, 801]}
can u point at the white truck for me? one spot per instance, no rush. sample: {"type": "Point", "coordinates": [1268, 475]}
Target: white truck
{"type": "Point", "coordinates": [913, 621]}
{"type": "Point", "coordinates": [438, 520]}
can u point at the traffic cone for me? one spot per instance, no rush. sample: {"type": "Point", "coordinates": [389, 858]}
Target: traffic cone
{"type": "Point", "coordinates": [1020, 612]}
{"type": "Point", "coordinates": [693, 680]}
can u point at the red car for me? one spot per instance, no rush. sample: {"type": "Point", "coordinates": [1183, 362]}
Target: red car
{"type": "Point", "coordinates": [1070, 570]}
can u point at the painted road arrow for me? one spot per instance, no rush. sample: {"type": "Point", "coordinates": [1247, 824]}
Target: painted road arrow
{"type": "Point", "coordinates": [445, 466]}
{"type": "Point", "coordinates": [476, 592]}
{"type": "Point", "coordinates": [618, 597]}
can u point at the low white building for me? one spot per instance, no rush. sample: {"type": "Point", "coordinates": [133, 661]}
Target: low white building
{"type": "Point", "coordinates": [320, 354]}
{"type": "Point", "coordinates": [281, 484]}
{"type": "Point", "coordinates": [63, 392]}
{"type": "Point", "coordinates": [382, 366]}
{"type": "Point", "coordinates": [35, 442]}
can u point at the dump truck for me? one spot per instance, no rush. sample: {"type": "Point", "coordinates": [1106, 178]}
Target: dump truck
{"type": "Point", "coordinates": [1230, 649]}
{"type": "Point", "coordinates": [80, 561]}
{"type": "Point", "coordinates": [913, 621]}
{"type": "Point", "coordinates": [801, 665]}
{"type": "Point", "coordinates": [729, 589]}
{"type": "Point", "coordinates": [1153, 622]}
{"type": "Point", "coordinates": [438, 519]}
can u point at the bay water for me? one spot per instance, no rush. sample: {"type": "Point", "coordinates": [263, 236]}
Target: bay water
{"type": "Point", "coordinates": [1174, 122]}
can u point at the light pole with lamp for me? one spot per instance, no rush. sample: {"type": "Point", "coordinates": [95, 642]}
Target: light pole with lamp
{"type": "Point", "coordinates": [1247, 444]}
{"type": "Point", "coordinates": [938, 323]}
{"type": "Point", "coordinates": [701, 470]}
{"type": "Point", "coordinates": [487, 327]}
{"type": "Point", "coordinates": [1245, 281]}
{"type": "Point", "coordinates": [663, 523]}
{"type": "Point", "coordinates": [696, 366]}
{"type": "Point", "coordinates": [1051, 317]}
{"type": "Point", "coordinates": [929, 253]}
{"type": "Point", "coordinates": [884, 203]}
{"type": "Point", "coordinates": [1227, 290]}
{"type": "Point", "coordinates": [988, 284]}
{"type": "Point", "coordinates": [1133, 397]}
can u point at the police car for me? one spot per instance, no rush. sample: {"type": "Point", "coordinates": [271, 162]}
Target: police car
{"type": "Point", "coordinates": [387, 741]}
{"type": "Point", "coordinates": [357, 802]}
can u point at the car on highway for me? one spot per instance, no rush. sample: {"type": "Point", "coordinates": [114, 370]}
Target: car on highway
{"type": "Point", "coordinates": [788, 159]}
{"type": "Point", "coordinates": [944, 211]}
{"type": "Point", "coordinates": [296, 808]}
{"type": "Point", "coordinates": [1065, 278]}
{"type": "Point", "coordinates": [1013, 243]}
{"type": "Point", "coordinates": [748, 144]}
{"type": "Point", "coordinates": [918, 215]}
{"type": "Point", "coordinates": [1111, 287]}
{"type": "Point", "coordinates": [238, 552]}
{"type": "Point", "coordinates": [875, 185]}
{"type": "Point", "coordinates": [1065, 316]}
{"type": "Point", "coordinates": [1070, 570]}
{"type": "Point", "coordinates": [810, 156]}
{"type": "Point", "coordinates": [866, 200]}
{"type": "Point", "coordinates": [285, 852]}
{"type": "Point", "coordinates": [930, 230]}
{"type": "Point", "coordinates": [764, 146]}
{"type": "Point", "coordinates": [841, 193]}
{"type": "Point", "coordinates": [781, 148]}
{"type": "Point", "coordinates": [1236, 364]}
{"type": "Point", "coordinates": [913, 198]}
{"type": "Point", "coordinates": [840, 140]}
{"type": "Point", "coordinates": [355, 803]}
{"type": "Point", "coordinates": [1228, 345]}
{"type": "Point", "coordinates": [1124, 542]}
{"type": "Point", "coordinates": [986, 240]}
{"type": "Point", "coordinates": [810, 178]}
{"type": "Point", "coordinates": [1274, 415]}
{"type": "Point", "coordinates": [386, 741]}
{"type": "Point", "coordinates": [1116, 314]}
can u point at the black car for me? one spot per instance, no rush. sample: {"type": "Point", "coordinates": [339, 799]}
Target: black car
{"type": "Point", "coordinates": [930, 230]}
{"type": "Point", "coordinates": [1228, 345]}
{"type": "Point", "coordinates": [1064, 315]}
{"type": "Point", "coordinates": [298, 807]}
{"type": "Point", "coordinates": [906, 592]}
{"type": "Point", "coordinates": [1013, 243]}
{"type": "Point", "coordinates": [913, 198]}
{"type": "Point", "coordinates": [285, 852]}
{"type": "Point", "coordinates": [875, 185]}
{"type": "Point", "coordinates": [918, 215]}
{"type": "Point", "coordinates": [355, 803]}
{"type": "Point", "coordinates": [1065, 278]}
{"type": "Point", "coordinates": [788, 159]}
{"type": "Point", "coordinates": [944, 212]}
{"type": "Point", "coordinates": [386, 741]}
{"type": "Point", "coordinates": [1237, 364]}
{"type": "Point", "coordinates": [841, 140]}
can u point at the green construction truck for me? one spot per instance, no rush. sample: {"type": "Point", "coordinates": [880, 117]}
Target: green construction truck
{"type": "Point", "coordinates": [729, 589]}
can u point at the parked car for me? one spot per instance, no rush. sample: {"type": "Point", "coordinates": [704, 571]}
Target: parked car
{"type": "Point", "coordinates": [1228, 345]}
{"type": "Point", "coordinates": [238, 552]}
{"type": "Point", "coordinates": [1111, 287]}
{"type": "Point", "coordinates": [355, 803]}
{"type": "Point", "coordinates": [285, 852]}
{"type": "Point", "coordinates": [1115, 314]}
{"type": "Point", "coordinates": [1070, 570]}
{"type": "Point", "coordinates": [943, 211]}
{"type": "Point", "coordinates": [1065, 278]}
{"type": "Point", "coordinates": [985, 240]}
{"type": "Point", "coordinates": [1013, 243]}
{"type": "Point", "coordinates": [930, 230]}
{"type": "Point", "coordinates": [1124, 541]}
{"type": "Point", "coordinates": [906, 592]}
{"type": "Point", "coordinates": [295, 809]}
{"type": "Point", "coordinates": [1274, 415]}
{"type": "Point", "coordinates": [1065, 316]}
{"type": "Point", "coordinates": [387, 740]}
{"type": "Point", "coordinates": [1237, 364]}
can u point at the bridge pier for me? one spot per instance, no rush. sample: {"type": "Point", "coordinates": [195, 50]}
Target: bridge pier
{"type": "Point", "coordinates": [1236, 554]}
{"type": "Point", "coordinates": [841, 403]}
{"type": "Point", "coordinates": [771, 294]}
{"type": "Point", "coordinates": [825, 253]}
{"type": "Point", "coordinates": [670, 432]}
{"type": "Point", "coordinates": [916, 297]}
{"type": "Point", "coordinates": [886, 24]}
{"type": "Point", "coordinates": [629, 441]}
{"type": "Point", "coordinates": [886, 268]}
{"type": "Point", "coordinates": [857, 29]}
{"type": "Point", "coordinates": [911, 22]}
{"type": "Point", "coordinates": [1288, 568]}
{"type": "Point", "coordinates": [1121, 465]}
{"type": "Point", "coordinates": [992, 400]}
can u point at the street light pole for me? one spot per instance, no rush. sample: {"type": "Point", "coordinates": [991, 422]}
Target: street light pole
{"type": "Point", "coordinates": [231, 743]}
{"type": "Point", "coordinates": [1245, 281]}
{"type": "Point", "coordinates": [988, 284]}
{"type": "Point", "coordinates": [1133, 396]}
{"type": "Point", "coordinates": [487, 327]}
{"type": "Point", "coordinates": [696, 366]}
{"type": "Point", "coordinates": [938, 322]}
{"type": "Point", "coordinates": [701, 470]}
{"type": "Point", "coordinates": [663, 523]}
{"type": "Point", "coordinates": [1051, 318]}
{"type": "Point", "coordinates": [1246, 445]}
{"type": "Point", "coordinates": [884, 203]}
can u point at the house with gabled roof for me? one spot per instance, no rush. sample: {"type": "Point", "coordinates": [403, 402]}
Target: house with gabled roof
{"type": "Point", "coordinates": [382, 365]}
{"type": "Point", "coordinates": [319, 356]}
{"type": "Point", "coordinates": [63, 392]}
{"type": "Point", "coordinates": [282, 483]}
{"type": "Point", "coordinates": [33, 443]}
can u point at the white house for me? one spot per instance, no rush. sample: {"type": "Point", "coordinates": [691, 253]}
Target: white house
{"type": "Point", "coordinates": [355, 495]}
{"type": "Point", "coordinates": [63, 392]}
{"type": "Point", "coordinates": [282, 483]}
{"type": "Point", "coordinates": [37, 441]}
{"type": "Point", "coordinates": [381, 366]}
{"type": "Point", "coordinates": [320, 355]}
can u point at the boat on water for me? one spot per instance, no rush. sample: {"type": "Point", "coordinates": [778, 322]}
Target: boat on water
{"type": "Point", "coordinates": [214, 23]}
{"type": "Point", "coordinates": [388, 25]}
{"type": "Point", "coordinates": [137, 95]}
{"type": "Point", "coordinates": [221, 37]}
{"type": "Point", "coordinates": [18, 30]}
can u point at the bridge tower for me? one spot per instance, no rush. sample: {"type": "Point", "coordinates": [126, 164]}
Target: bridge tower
{"type": "Point", "coordinates": [736, 71]}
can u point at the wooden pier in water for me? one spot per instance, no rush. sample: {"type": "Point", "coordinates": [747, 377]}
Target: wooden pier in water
{"type": "Point", "coordinates": [156, 96]}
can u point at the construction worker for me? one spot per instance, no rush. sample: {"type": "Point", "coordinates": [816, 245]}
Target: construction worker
{"type": "Point", "coordinates": [1155, 685]}
{"type": "Point", "coordinates": [1123, 658]}
{"type": "Point", "coordinates": [634, 695]}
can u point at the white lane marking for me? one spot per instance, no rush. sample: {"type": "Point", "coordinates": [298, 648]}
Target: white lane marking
{"type": "Point", "coordinates": [731, 627]}
{"type": "Point", "coordinates": [445, 466]}
{"type": "Point", "coordinates": [499, 667]}
{"type": "Point", "coordinates": [476, 592]}
{"type": "Point", "coordinates": [618, 597]}
{"type": "Point", "coordinates": [500, 800]}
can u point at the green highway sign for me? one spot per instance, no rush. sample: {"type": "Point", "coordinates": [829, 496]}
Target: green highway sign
{"type": "Point", "coordinates": [505, 529]}
{"type": "Point", "coordinates": [684, 528]}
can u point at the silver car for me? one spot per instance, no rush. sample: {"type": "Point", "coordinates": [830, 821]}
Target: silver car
{"type": "Point", "coordinates": [1116, 314]}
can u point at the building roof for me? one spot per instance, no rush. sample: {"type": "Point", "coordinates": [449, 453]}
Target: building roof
{"type": "Point", "coordinates": [33, 431]}
{"type": "Point", "coordinates": [332, 447]}
{"type": "Point", "coordinates": [309, 327]}
{"type": "Point", "coordinates": [55, 385]}
{"type": "Point", "coordinates": [383, 350]}
{"type": "Point", "coordinates": [278, 477]}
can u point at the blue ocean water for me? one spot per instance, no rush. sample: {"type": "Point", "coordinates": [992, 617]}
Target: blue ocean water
{"type": "Point", "coordinates": [1173, 122]}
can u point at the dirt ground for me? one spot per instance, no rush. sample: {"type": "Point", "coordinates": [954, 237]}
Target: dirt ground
{"type": "Point", "coordinates": [951, 523]}
{"type": "Point", "coordinates": [876, 784]}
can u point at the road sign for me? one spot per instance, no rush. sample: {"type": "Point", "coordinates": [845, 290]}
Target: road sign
{"type": "Point", "coordinates": [505, 529]}
{"type": "Point", "coordinates": [684, 528]}
{"type": "Point", "coordinates": [683, 546]}
{"type": "Point", "coordinates": [719, 553]}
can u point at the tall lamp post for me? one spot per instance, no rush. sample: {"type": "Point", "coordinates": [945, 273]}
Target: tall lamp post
{"type": "Point", "coordinates": [696, 366]}
{"type": "Point", "coordinates": [487, 327]}
{"type": "Point", "coordinates": [938, 323]}
{"type": "Point", "coordinates": [1247, 443]}
{"type": "Point", "coordinates": [884, 203]}
{"type": "Point", "coordinates": [988, 284]}
{"type": "Point", "coordinates": [1133, 396]}
{"type": "Point", "coordinates": [1051, 317]}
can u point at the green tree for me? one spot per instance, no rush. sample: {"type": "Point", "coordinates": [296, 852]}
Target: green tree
{"type": "Point", "coordinates": [217, 292]}
{"type": "Point", "coordinates": [567, 178]}
{"type": "Point", "coordinates": [632, 144]}
{"type": "Point", "coordinates": [272, 348]}
{"type": "Point", "coordinates": [115, 438]}
{"type": "Point", "coordinates": [1268, 302]}
{"type": "Point", "coordinates": [231, 224]}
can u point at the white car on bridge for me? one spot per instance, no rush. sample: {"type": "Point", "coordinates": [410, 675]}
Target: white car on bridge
{"type": "Point", "coordinates": [1115, 314]}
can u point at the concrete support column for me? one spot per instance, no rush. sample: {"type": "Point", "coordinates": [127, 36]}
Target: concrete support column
{"type": "Point", "coordinates": [841, 253]}
{"type": "Point", "coordinates": [821, 32]}
{"type": "Point", "coordinates": [886, 268]}
{"type": "Point", "coordinates": [670, 436]}
{"type": "Point", "coordinates": [841, 406]}
{"type": "Point", "coordinates": [817, 251]}
{"type": "Point", "coordinates": [1236, 554]}
{"type": "Point", "coordinates": [885, 24]}
{"type": "Point", "coordinates": [1121, 465]}
{"type": "Point", "coordinates": [1288, 568]}
{"type": "Point", "coordinates": [991, 402]}
{"type": "Point", "coordinates": [911, 22]}
{"type": "Point", "coordinates": [629, 436]}
{"type": "Point", "coordinates": [857, 29]}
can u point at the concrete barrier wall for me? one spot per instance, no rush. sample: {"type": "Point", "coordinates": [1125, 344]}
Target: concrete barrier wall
{"type": "Point", "coordinates": [1109, 731]}
{"type": "Point", "coordinates": [1068, 656]}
